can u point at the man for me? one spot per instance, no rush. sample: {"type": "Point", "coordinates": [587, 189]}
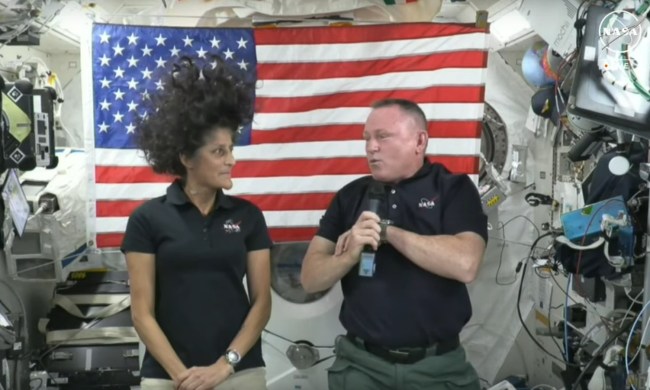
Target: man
{"type": "Point", "coordinates": [405, 309]}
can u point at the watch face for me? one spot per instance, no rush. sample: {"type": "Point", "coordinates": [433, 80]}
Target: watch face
{"type": "Point", "coordinates": [233, 357]}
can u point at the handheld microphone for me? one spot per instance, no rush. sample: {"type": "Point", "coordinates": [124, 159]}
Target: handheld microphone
{"type": "Point", "coordinates": [375, 196]}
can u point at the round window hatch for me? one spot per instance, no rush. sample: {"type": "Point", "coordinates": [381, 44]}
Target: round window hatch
{"type": "Point", "coordinates": [494, 140]}
{"type": "Point", "coordinates": [286, 263]}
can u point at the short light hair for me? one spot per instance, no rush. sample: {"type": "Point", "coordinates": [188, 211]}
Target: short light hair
{"type": "Point", "coordinates": [408, 107]}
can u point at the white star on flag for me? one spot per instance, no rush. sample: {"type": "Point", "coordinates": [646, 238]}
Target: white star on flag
{"type": "Point", "coordinates": [159, 84]}
{"type": "Point", "coordinates": [132, 62]}
{"type": "Point", "coordinates": [133, 39]}
{"type": "Point", "coordinates": [103, 37]}
{"type": "Point", "coordinates": [105, 61]}
{"type": "Point", "coordinates": [132, 84]}
{"type": "Point", "coordinates": [118, 117]}
{"type": "Point", "coordinates": [187, 41]}
{"type": "Point", "coordinates": [119, 72]}
{"type": "Point", "coordinates": [105, 105]}
{"type": "Point", "coordinates": [174, 51]}
{"type": "Point", "coordinates": [105, 82]}
{"type": "Point", "coordinates": [130, 128]}
{"type": "Point", "coordinates": [146, 51]}
{"type": "Point", "coordinates": [241, 43]}
{"type": "Point", "coordinates": [119, 95]}
{"type": "Point", "coordinates": [103, 127]}
{"type": "Point", "coordinates": [160, 63]}
{"type": "Point", "coordinates": [132, 106]}
{"type": "Point", "coordinates": [228, 54]}
{"type": "Point", "coordinates": [160, 40]}
{"type": "Point", "coordinates": [146, 73]}
{"type": "Point", "coordinates": [215, 42]}
{"type": "Point", "coordinates": [201, 52]}
{"type": "Point", "coordinates": [242, 65]}
{"type": "Point", "coordinates": [117, 49]}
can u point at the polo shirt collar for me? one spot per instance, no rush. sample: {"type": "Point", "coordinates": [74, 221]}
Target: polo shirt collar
{"type": "Point", "coordinates": [422, 172]}
{"type": "Point", "coordinates": [176, 196]}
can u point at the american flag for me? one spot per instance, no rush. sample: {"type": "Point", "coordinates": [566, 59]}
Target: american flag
{"type": "Point", "coordinates": [314, 89]}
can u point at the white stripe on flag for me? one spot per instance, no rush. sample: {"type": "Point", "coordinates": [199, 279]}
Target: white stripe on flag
{"type": "Point", "coordinates": [298, 150]}
{"type": "Point", "coordinates": [300, 218]}
{"type": "Point", "coordinates": [382, 82]}
{"type": "Point", "coordinates": [248, 186]}
{"type": "Point", "coordinates": [368, 50]}
{"type": "Point", "coordinates": [244, 186]}
{"type": "Point", "coordinates": [347, 115]}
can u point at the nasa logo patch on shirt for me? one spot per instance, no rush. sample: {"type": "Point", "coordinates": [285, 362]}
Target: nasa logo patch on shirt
{"type": "Point", "coordinates": [427, 203]}
{"type": "Point", "coordinates": [232, 227]}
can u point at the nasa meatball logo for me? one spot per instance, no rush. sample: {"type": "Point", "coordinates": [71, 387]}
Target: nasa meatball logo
{"type": "Point", "coordinates": [620, 32]}
{"type": "Point", "coordinates": [231, 227]}
{"type": "Point", "coordinates": [427, 203]}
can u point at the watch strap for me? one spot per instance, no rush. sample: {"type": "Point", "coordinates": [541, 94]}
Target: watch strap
{"type": "Point", "coordinates": [383, 224]}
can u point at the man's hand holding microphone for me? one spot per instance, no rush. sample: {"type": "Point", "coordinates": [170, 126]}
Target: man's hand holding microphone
{"type": "Point", "coordinates": [365, 236]}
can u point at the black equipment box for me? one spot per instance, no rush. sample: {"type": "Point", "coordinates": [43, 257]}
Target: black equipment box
{"type": "Point", "coordinates": [91, 343]}
{"type": "Point", "coordinates": [27, 126]}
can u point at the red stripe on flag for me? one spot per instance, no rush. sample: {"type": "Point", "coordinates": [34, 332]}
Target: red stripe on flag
{"type": "Point", "coordinates": [337, 166]}
{"type": "Point", "coordinates": [114, 240]}
{"type": "Point", "coordinates": [109, 174]}
{"type": "Point", "coordinates": [117, 208]}
{"type": "Point", "coordinates": [109, 240]}
{"type": "Point", "coordinates": [272, 168]}
{"type": "Point", "coordinates": [322, 70]}
{"type": "Point", "coordinates": [292, 234]}
{"type": "Point", "coordinates": [270, 202]}
{"type": "Point", "coordinates": [437, 129]}
{"type": "Point", "coordinates": [469, 94]}
{"type": "Point", "coordinates": [291, 202]}
{"type": "Point", "coordinates": [360, 34]}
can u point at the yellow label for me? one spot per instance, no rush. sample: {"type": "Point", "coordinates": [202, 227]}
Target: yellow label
{"type": "Point", "coordinates": [20, 124]}
{"type": "Point", "coordinates": [77, 275]}
{"type": "Point", "coordinates": [493, 201]}
{"type": "Point", "coordinates": [539, 316]}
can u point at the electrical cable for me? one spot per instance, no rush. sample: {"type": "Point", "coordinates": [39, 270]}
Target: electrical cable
{"type": "Point", "coordinates": [638, 350]}
{"type": "Point", "coordinates": [550, 330]}
{"type": "Point", "coordinates": [503, 247]}
{"type": "Point", "coordinates": [566, 320]}
{"type": "Point", "coordinates": [629, 337]}
{"type": "Point", "coordinates": [596, 355]}
{"type": "Point", "coordinates": [19, 329]}
{"type": "Point", "coordinates": [292, 341]}
{"type": "Point", "coordinates": [521, 318]}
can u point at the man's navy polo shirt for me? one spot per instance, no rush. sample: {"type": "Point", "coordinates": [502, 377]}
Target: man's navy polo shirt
{"type": "Point", "coordinates": [201, 302]}
{"type": "Point", "coordinates": [403, 305]}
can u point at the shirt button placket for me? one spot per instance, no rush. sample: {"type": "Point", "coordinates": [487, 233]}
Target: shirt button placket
{"type": "Point", "coordinates": [392, 200]}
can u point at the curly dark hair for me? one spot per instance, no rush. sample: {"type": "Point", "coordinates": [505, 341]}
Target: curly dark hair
{"type": "Point", "coordinates": [195, 101]}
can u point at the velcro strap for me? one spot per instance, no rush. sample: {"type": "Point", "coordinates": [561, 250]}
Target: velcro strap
{"type": "Point", "coordinates": [107, 335]}
{"type": "Point", "coordinates": [116, 303]}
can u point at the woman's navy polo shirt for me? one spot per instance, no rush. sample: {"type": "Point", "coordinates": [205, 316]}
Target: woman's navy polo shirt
{"type": "Point", "coordinates": [403, 305]}
{"type": "Point", "coordinates": [201, 302]}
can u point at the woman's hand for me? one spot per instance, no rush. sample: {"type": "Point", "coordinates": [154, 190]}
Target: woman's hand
{"type": "Point", "coordinates": [204, 378]}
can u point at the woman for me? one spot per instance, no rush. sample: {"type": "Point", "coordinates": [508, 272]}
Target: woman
{"type": "Point", "coordinates": [188, 251]}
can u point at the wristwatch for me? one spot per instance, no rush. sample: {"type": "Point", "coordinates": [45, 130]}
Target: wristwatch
{"type": "Point", "coordinates": [383, 224]}
{"type": "Point", "coordinates": [232, 357]}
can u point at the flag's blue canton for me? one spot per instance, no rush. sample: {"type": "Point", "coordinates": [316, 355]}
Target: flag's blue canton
{"type": "Point", "coordinates": [128, 62]}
